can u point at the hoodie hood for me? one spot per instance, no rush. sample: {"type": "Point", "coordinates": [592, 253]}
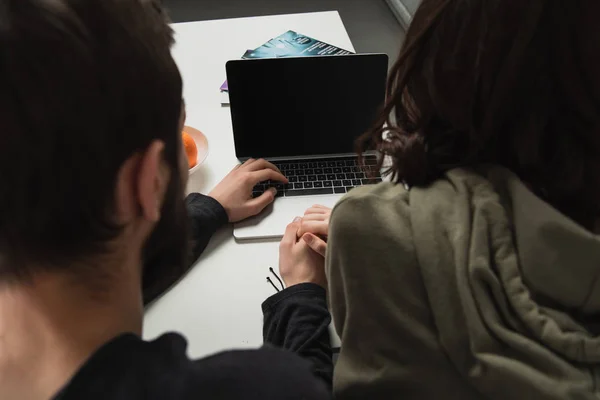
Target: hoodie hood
{"type": "Point", "coordinates": [525, 280]}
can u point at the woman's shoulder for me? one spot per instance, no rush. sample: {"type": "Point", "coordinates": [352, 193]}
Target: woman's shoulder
{"type": "Point", "coordinates": [372, 211]}
{"type": "Point", "coordinates": [368, 199]}
{"type": "Point", "coordinates": [392, 206]}
{"type": "Point", "coordinates": [448, 185]}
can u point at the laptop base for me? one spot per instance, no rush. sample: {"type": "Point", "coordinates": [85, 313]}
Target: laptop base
{"type": "Point", "coordinates": [271, 223]}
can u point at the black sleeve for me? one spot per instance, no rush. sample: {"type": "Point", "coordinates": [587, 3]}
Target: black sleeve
{"type": "Point", "coordinates": [297, 319]}
{"type": "Point", "coordinates": [206, 216]}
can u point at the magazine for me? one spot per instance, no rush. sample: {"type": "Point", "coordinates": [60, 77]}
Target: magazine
{"type": "Point", "coordinates": [289, 44]}
{"type": "Point", "coordinates": [292, 44]}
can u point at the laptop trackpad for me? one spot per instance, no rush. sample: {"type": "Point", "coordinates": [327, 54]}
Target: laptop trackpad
{"type": "Point", "coordinates": [271, 223]}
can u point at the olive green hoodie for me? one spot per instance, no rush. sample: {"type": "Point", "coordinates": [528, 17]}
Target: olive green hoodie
{"type": "Point", "coordinates": [471, 288]}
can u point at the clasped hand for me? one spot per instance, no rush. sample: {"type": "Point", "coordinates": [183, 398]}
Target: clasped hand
{"type": "Point", "coordinates": [303, 247]}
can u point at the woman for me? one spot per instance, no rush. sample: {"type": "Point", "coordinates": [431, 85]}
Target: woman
{"type": "Point", "coordinates": [475, 273]}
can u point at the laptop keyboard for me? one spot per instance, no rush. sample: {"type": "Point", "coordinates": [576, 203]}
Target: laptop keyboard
{"type": "Point", "coordinates": [322, 176]}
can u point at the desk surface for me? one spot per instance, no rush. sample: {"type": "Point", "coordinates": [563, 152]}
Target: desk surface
{"type": "Point", "coordinates": [217, 305]}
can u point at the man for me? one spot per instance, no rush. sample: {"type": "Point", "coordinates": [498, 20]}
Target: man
{"type": "Point", "coordinates": [92, 178]}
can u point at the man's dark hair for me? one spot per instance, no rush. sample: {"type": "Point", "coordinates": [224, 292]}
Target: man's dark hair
{"type": "Point", "coordinates": [508, 82]}
{"type": "Point", "coordinates": [84, 85]}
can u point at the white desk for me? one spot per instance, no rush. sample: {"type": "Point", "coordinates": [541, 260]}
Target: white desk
{"type": "Point", "coordinates": [217, 306]}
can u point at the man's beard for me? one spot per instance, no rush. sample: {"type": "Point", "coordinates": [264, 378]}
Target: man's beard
{"type": "Point", "coordinates": [167, 253]}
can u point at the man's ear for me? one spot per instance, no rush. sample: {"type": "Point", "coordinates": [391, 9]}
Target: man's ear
{"type": "Point", "coordinates": [152, 181]}
{"type": "Point", "coordinates": [141, 185]}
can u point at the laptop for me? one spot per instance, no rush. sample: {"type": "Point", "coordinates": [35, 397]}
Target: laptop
{"type": "Point", "coordinates": [304, 114]}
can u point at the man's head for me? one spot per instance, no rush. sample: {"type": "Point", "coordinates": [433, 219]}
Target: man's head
{"type": "Point", "coordinates": [90, 115]}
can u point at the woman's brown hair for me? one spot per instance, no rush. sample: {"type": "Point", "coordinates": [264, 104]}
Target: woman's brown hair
{"type": "Point", "coordinates": [508, 82]}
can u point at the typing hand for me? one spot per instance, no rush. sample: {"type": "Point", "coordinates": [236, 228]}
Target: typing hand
{"type": "Point", "coordinates": [234, 192]}
{"type": "Point", "coordinates": [298, 263]}
{"type": "Point", "coordinates": [315, 228]}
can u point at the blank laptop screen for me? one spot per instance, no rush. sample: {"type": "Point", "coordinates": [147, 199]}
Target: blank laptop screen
{"type": "Point", "coordinates": [304, 106]}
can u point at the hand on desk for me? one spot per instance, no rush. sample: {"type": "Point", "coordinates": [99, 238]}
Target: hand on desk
{"type": "Point", "coordinates": [234, 192]}
{"type": "Point", "coordinates": [298, 263]}
{"type": "Point", "coordinates": [314, 228]}
{"type": "Point", "coordinates": [302, 249]}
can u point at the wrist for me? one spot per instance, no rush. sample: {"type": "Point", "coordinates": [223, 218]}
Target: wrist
{"type": "Point", "coordinates": [298, 294]}
{"type": "Point", "coordinates": [221, 203]}
{"type": "Point", "coordinates": [215, 197]}
{"type": "Point", "coordinates": [295, 282]}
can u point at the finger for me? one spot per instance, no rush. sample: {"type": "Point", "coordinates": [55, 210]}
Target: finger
{"type": "Point", "coordinates": [314, 210]}
{"type": "Point", "coordinates": [266, 174]}
{"type": "Point", "coordinates": [262, 164]}
{"type": "Point", "coordinates": [320, 228]}
{"type": "Point", "coordinates": [315, 243]}
{"type": "Point", "coordinates": [289, 237]}
{"type": "Point", "coordinates": [315, 217]}
{"type": "Point", "coordinates": [321, 207]}
{"type": "Point", "coordinates": [248, 161]}
{"type": "Point", "coordinates": [258, 204]}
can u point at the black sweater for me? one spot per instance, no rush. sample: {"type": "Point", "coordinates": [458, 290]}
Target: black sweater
{"type": "Point", "coordinates": [296, 320]}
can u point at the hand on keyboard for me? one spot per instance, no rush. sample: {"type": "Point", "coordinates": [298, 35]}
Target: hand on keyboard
{"type": "Point", "coordinates": [322, 176]}
{"type": "Point", "coordinates": [234, 192]}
